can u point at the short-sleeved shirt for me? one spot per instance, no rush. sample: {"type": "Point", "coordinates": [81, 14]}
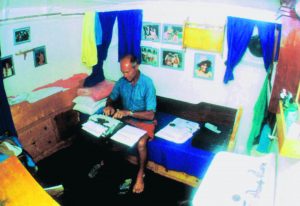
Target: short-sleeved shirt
{"type": "Point", "coordinates": [138, 97]}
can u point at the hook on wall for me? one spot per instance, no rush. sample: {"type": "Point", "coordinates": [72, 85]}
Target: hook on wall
{"type": "Point", "coordinates": [24, 52]}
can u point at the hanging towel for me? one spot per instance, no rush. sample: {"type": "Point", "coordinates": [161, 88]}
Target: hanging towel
{"type": "Point", "coordinates": [98, 30]}
{"type": "Point", "coordinates": [89, 48]}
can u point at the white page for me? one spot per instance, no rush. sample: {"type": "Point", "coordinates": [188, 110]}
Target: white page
{"type": "Point", "coordinates": [128, 135]}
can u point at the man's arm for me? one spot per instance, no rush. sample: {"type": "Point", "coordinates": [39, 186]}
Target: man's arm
{"type": "Point", "coordinates": [146, 115]}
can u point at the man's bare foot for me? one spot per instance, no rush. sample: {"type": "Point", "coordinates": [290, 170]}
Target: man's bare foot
{"type": "Point", "coordinates": [139, 185]}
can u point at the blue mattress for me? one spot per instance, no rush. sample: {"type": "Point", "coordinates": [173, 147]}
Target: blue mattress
{"type": "Point", "coordinates": [179, 157]}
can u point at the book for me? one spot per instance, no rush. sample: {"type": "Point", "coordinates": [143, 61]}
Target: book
{"type": "Point", "coordinates": [101, 125]}
{"type": "Point", "coordinates": [178, 131]}
{"type": "Point", "coordinates": [128, 135]}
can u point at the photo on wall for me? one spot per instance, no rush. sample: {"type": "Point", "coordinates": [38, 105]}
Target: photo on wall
{"type": "Point", "coordinates": [150, 56]}
{"type": "Point", "coordinates": [8, 66]}
{"type": "Point", "coordinates": [204, 66]}
{"type": "Point", "coordinates": [151, 31]}
{"type": "Point", "coordinates": [39, 56]}
{"type": "Point", "coordinates": [173, 59]}
{"type": "Point", "coordinates": [172, 34]}
{"type": "Point", "coordinates": [21, 35]}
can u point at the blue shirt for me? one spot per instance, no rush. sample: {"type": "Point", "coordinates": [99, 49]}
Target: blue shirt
{"type": "Point", "coordinates": [138, 97]}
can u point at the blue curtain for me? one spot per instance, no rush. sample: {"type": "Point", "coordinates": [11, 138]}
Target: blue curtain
{"type": "Point", "coordinates": [266, 33]}
{"type": "Point", "coordinates": [6, 121]}
{"type": "Point", "coordinates": [239, 32]}
{"type": "Point", "coordinates": [130, 27]}
{"type": "Point", "coordinates": [107, 20]}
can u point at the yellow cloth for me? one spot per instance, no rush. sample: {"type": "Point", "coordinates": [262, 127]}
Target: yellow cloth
{"type": "Point", "coordinates": [209, 39]}
{"type": "Point", "coordinates": [19, 188]}
{"type": "Point", "coordinates": [89, 48]}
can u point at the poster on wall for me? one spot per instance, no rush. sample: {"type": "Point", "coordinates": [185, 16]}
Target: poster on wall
{"type": "Point", "coordinates": [204, 66]}
{"type": "Point", "coordinates": [8, 66]}
{"type": "Point", "coordinates": [150, 56]}
{"type": "Point", "coordinates": [172, 34]}
{"type": "Point", "coordinates": [151, 31]}
{"type": "Point", "coordinates": [173, 59]}
{"type": "Point", "coordinates": [39, 56]}
{"type": "Point", "coordinates": [203, 37]}
{"type": "Point", "coordinates": [21, 35]}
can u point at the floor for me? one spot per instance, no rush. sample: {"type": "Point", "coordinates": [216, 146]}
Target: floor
{"type": "Point", "coordinates": [87, 180]}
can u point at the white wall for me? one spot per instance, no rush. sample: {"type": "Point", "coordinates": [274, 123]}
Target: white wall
{"type": "Point", "coordinates": [249, 75]}
{"type": "Point", "coordinates": [62, 37]}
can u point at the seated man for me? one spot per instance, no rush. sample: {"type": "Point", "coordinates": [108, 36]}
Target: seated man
{"type": "Point", "coordinates": [137, 94]}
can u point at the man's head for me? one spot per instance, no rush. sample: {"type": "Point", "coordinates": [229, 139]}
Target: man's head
{"type": "Point", "coordinates": [129, 67]}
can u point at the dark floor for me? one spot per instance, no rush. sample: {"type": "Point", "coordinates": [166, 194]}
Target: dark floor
{"type": "Point", "coordinates": [71, 166]}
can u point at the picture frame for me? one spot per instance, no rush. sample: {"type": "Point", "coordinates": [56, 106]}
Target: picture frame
{"type": "Point", "coordinates": [151, 31]}
{"type": "Point", "coordinates": [22, 35]}
{"type": "Point", "coordinates": [172, 34]}
{"type": "Point", "coordinates": [173, 59]}
{"type": "Point", "coordinates": [204, 66]}
{"type": "Point", "coordinates": [7, 64]}
{"type": "Point", "coordinates": [39, 56]}
{"type": "Point", "coordinates": [150, 56]}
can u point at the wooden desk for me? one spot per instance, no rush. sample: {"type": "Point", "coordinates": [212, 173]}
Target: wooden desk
{"type": "Point", "coordinates": [46, 126]}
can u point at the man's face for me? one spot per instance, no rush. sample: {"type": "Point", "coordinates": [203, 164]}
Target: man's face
{"type": "Point", "coordinates": [128, 71]}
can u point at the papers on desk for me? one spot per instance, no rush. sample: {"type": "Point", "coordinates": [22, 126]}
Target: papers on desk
{"type": "Point", "coordinates": [178, 131]}
{"type": "Point", "coordinates": [128, 135]}
{"type": "Point", "coordinates": [101, 125]}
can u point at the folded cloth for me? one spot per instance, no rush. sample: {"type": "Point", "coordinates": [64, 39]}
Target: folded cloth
{"type": "Point", "coordinates": [97, 92]}
{"type": "Point", "coordinates": [9, 148]}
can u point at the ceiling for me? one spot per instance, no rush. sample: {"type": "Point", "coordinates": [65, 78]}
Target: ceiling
{"type": "Point", "coordinates": [16, 8]}
{"type": "Point", "coordinates": [271, 5]}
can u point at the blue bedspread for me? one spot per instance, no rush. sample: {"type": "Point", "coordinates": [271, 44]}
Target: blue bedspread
{"type": "Point", "coordinates": [179, 157]}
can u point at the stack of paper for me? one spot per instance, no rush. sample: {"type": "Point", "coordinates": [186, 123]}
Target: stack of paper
{"type": "Point", "coordinates": [94, 128]}
{"type": "Point", "coordinates": [128, 135]}
{"type": "Point", "coordinates": [87, 105]}
{"type": "Point", "coordinates": [178, 131]}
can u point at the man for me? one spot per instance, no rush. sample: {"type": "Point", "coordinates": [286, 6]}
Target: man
{"type": "Point", "coordinates": [137, 94]}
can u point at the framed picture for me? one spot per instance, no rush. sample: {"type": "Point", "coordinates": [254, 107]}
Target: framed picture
{"type": "Point", "coordinates": [172, 34]}
{"type": "Point", "coordinates": [151, 31]}
{"type": "Point", "coordinates": [39, 56]}
{"type": "Point", "coordinates": [173, 59]}
{"type": "Point", "coordinates": [8, 66]}
{"type": "Point", "coordinates": [21, 35]}
{"type": "Point", "coordinates": [150, 56]}
{"type": "Point", "coordinates": [204, 66]}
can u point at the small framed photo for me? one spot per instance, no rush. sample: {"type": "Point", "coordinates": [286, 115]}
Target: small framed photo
{"type": "Point", "coordinates": [173, 59]}
{"type": "Point", "coordinates": [22, 35]}
{"type": "Point", "coordinates": [172, 34]}
{"type": "Point", "coordinates": [150, 56]}
{"type": "Point", "coordinates": [39, 56]}
{"type": "Point", "coordinates": [8, 66]}
{"type": "Point", "coordinates": [204, 66]}
{"type": "Point", "coordinates": [151, 31]}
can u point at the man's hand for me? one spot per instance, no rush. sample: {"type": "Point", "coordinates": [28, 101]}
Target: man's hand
{"type": "Point", "coordinates": [121, 113]}
{"type": "Point", "coordinates": [109, 110]}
